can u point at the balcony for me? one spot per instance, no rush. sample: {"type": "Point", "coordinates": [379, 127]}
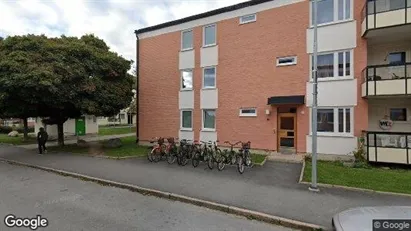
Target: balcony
{"type": "Point", "coordinates": [388, 147]}
{"type": "Point", "coordinates": [387, 80]}
{"type": "Point", "coordinates": [384, 14]}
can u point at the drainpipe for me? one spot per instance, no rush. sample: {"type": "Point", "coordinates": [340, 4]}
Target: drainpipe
{"type": "Point", "coordinates": [137, 87]}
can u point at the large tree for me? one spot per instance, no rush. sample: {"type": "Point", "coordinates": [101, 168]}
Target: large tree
{"type": "Point", "coordinates": [62, 78]}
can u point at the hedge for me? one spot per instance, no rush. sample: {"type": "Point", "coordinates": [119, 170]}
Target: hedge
{"type": "Point", "coordinates": [8, 129]}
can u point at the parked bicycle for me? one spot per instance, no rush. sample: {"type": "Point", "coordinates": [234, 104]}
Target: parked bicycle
{"type": "Point", "coordinates": [202, 153]}
{"type": "Point", "coordinates": [156, 151]}
{"type": "Point", "coordinates": [215, 156]}
{"type": "Point", "coordinates": [228, 156]}
{"type": "Point", "coordinates": [244, 157]}
{"type": "Point", "coordinates": [171, 150]}
{"type": "Point", "coordinates": [184, 152]}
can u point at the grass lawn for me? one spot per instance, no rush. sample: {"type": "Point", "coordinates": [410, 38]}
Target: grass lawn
{"type": "Point", "coordinates": [16, 140]}
{"type": "Point", "coordinates": [129, 148]}
{"type": "Point", "coordinates": [257, 158]}
{"type": "Point", "coordinates": [104, 131]}
{"type": "Point", "coordinates": [391, 180]}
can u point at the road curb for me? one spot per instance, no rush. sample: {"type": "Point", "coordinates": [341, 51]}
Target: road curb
{"type": "Point", "coordinates": [302, 172]}
{"type": "Point", "coordinates": [185, 199]}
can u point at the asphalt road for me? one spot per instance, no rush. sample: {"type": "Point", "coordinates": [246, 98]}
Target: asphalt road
{"type": "Point", "coordinates": [71, 204]}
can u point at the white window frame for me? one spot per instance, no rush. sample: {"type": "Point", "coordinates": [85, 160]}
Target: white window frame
{"type": "Point", "coordinates": [215, 77]}
{"type": "Point", "coordinates": [181, 120]}
{"type": "Point", "coordinates": [192, 40]}
{"type": "Point", "coordinates": [181, 80]}
{"type": "Point", "coordinates": [336, 77]}
{"type": "Point", "coordinates": [287, 64]}
{"type": "Point", "coordinates": [249, 21]}
{"type": "Point", "coordinates": [215, 34]}
{"type": "Point", "coordinates": [336, 123]}
{"type": "Point", "coordinates": [242, 114]}
{"type": "Point", "coordinates": [335, 18]}
{"type": "Point", "coordinates": [203, 118]}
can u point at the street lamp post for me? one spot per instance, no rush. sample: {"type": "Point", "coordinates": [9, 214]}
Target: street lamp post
{"type": "Point", "coordinates": [313, 186]}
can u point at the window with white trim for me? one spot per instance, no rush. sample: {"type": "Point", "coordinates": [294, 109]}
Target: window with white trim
{"type": "Point", "coordinates": [187, 40]}
{"type": "Point", "coordinates": [248, 18]}
{"type": "Point", "coordinates": [331, 11]}
{"type": "Point", "coordinates": [209, 35]}
{"type": "Point", "coordinates": [335, 120]}
{"type": "Point", "coordinates": [285, 61]}
{"type": "Point", "coordinates": [187, 79]}
{"type": "Point", "coordinates": [336, 64]}
{"type": "Point", "coordinates": [186, 119]}
{"type": "Point", "coordinates": [209, 77]}
{"type": "Point", "coordinates": [248, 112]}
{"type": "Point", "coordinates": [209, 119]}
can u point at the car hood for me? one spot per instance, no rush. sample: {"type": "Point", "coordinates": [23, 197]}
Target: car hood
{"type": "Point", "coordinates": [361, 218]}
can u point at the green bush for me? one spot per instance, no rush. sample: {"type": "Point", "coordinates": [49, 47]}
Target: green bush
{"type": "Point", "coordinates": [5, 129]}
{"type": "Point", "coordinates": [21, 129]}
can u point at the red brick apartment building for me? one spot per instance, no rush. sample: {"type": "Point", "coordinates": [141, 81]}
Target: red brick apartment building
{"type": "Point", "coordinates": [243, 72]}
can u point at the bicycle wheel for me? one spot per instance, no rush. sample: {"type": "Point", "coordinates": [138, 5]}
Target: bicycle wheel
{"type": "Point", "coordinates": [150, 154]}
{"type": "Point", "coordinates": [210, 161]}
{"type": "Point", "coordinates": [196, 159]}
{"type": "Point", "coordinates": [233, 158]}
{"type": "Point", "coordinates": [172, 156]}
{"type": "Point", "coordinates": [156, 155]}
{"type": "Point", "coordinates": [248, 161]}
{"type": "Point", "coordinates": [240, 166]}
{"type": "Point", "coordinates": [221, 164]}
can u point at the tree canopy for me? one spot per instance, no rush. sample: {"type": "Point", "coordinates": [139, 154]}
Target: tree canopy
{"type": "Point", "coordinates": [61, 78]}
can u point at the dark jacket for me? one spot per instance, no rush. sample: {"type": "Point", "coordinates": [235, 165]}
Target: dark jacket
{"type": "Point", "coordinates": [42, 136]}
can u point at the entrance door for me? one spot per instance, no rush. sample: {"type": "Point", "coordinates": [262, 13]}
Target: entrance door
{"type": "Point", "coordinates": [81, 126]}
{"type": "Point", "coordinates": [287, 130]}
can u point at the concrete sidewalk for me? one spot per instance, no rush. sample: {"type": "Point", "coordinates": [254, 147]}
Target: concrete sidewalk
{"type": "Point", "coordinates": [271, 189]}
{"type": "Point", "coordinates": [73, 141]}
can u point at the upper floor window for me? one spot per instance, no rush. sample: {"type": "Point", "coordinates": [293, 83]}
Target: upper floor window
{"type": "Point", "coordinates": [337, 64]}
{"type": "Point", "coordinates": [187, 80]}
{"type": "Point", "coordinates": [209, 37]}
{"type": "Point", "coordinates": [396, 58]}
{"type": "Point", "coordinates": [398, 114]}
{"type": "Point", "coordinates": [187, 40]}
{"type": "Point", "coordinates": [209, 77]}
{"type": "Point", "coordinates": [248, 18]}
{"type": "Point", "coordinates": [326, 12]}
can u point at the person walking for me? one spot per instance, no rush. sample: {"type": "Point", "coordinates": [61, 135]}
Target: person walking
{"type": "Point", "coordinates": [42, 137]}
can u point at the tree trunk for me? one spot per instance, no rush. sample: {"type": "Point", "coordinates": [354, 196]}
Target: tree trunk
{"type": "Point", "coordinates": [60, 134]}
{"type": "Point", "coordinates": [26, 129]}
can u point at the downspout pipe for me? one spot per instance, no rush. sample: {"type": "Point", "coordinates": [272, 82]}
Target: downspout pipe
{"type": "Point", "coordinates": [137, 87]}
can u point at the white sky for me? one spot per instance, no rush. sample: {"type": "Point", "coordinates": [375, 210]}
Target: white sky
{"type": "Point", "coordinates": [112, 20]}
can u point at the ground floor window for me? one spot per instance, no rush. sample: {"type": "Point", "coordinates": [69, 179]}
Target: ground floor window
{"type": "Point", "coordinates": [186, 119]}
{"type": "Point", "coordinates": [335, 120]}
{"type": "Point", "coordinates": [209, 119]}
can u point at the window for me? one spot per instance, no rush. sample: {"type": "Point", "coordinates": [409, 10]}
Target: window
{"type": "Point", "coordinates": [327, 14]}
{"type": "Point", "coordinates": [327, 67]}
{"type": "Point", "coordinates": [187, 80]}
{"type": "Point", "coordinates": [334, 120]}
{"type": "Point", "coordinates": [397, 58]}
{"type": "Point", "coordinates": [186, 119]}
{"type": "Point", "coordinates": [209, 35]}
{"type": "Point", "coordinates": [209, 119]}
{"type": "Point", "coordinates": [325, 120]}
{"type": "Point", "coordinates": [398, 114]}
{"type": "Point", "coordinates": [285, 61]}
{"type": "Point", "coordinates": [248, 112]}
{"type": "Point", "coordinates": [209, 76]}
{"type": "Point", "coordinates": [248, 18]}
{"type": "Point", "coordinates": [187, 40]}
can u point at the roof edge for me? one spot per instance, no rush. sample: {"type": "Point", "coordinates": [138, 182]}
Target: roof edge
{"type": "Point", "coordinates": [202, 15]}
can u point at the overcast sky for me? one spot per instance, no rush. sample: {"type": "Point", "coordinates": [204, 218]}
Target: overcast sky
{"type": "Point", "coordinates": [112, 20]}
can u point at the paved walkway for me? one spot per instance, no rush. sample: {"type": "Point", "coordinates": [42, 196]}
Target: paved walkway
{"type": "Point", "coordinates": [73, 141]}
{"type": "Point", "coordinates": [271, 189]}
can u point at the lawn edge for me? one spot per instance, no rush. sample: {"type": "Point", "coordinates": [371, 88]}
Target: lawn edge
{"type": "Point", "coordinates": [262, 163]}
{"type": "Point", "coordinates": [302, 172]}
{"type": "Point", "coordinates": [250, 214]}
